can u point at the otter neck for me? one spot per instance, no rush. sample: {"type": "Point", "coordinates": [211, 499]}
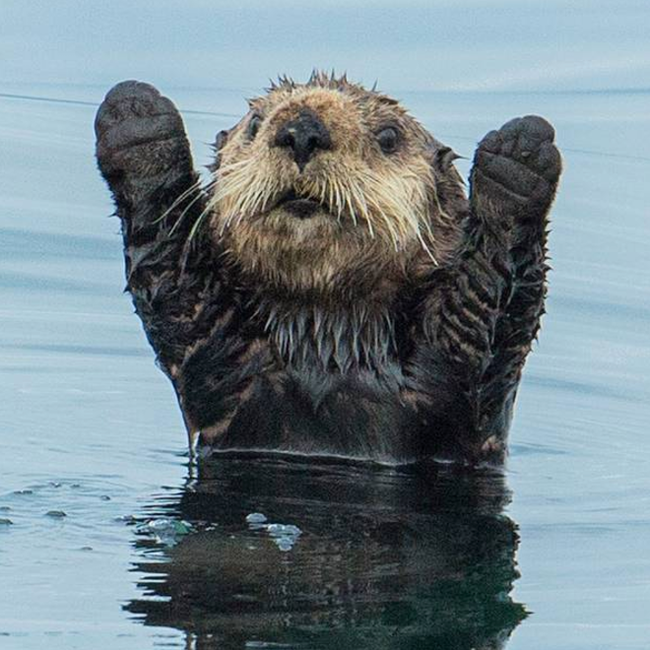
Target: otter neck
{"type": "Point", "coordinates": [334, 337]}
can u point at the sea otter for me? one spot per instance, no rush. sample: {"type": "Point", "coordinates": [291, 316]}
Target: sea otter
{"type": "Point", "coordinates": [331, 290]}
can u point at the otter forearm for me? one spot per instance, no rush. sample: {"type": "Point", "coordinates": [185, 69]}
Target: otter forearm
{"type": "Point", "coordinates": [485, 313]}
{"type": "Point", "coordinates": [515, 177]}
{"type": "Point", "coordinates": [144, 155]}
{"type": "Point", "coordinates": [468, 297]}
{"type": "Point", "coordinates": [494, 296]}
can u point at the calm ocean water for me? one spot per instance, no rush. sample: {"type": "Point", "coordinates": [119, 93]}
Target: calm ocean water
{"type": "Point", "coordinates": [149, 554]}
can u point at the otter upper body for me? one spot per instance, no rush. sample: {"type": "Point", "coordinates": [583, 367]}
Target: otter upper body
{"type": "Point", "coordinates": [331, 290]}
{"type": "Point", "coordinates": [321, 382]}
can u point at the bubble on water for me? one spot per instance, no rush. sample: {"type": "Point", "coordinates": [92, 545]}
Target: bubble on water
{"type": "Point", "coordinates": [256, 518]}
{"type": "Point", "coordinates": [275, 530]}
{"type": "Point", "coordinates": [283, 530]}
{"type": "Point", "coordinates": [292, 530]}
{"type": "Point", "coordinates": [284, 544]}
{"type": "Point", "coordinates": [284, 535]}
{"type": "Point", "coordinates": [165, 530]}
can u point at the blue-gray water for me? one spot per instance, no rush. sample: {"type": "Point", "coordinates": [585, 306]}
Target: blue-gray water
{"type": "Point", "coordinates": [386, 558]}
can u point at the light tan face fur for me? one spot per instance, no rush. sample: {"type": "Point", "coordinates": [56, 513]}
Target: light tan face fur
{"type": "Point", "coordinates": [378, 211]}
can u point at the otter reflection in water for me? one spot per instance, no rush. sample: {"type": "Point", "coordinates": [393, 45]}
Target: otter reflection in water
{"type": "Point", "coordinates": [419, 557]}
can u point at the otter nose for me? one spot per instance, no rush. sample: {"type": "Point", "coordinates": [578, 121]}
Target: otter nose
{"type": "Point", "coordinates": [304, 136]}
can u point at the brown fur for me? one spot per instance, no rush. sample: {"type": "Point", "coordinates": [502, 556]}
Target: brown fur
{"type": "Point", "coordinates": [381, 220]}
{"type": "Point", "coordinates": [382, 316]}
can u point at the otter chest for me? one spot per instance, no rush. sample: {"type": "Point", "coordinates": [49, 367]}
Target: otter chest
{"type": "Point", "coordinates": [253, 400]}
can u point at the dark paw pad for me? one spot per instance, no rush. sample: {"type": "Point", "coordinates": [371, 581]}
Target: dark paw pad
{"type": "Point", "coordinates": [518, 164]}
{"type": "Point", "coordinates": [138, 131]}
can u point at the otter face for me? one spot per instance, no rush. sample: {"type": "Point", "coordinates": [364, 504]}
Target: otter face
{"type": "Point", "coordinates": [325, 185]}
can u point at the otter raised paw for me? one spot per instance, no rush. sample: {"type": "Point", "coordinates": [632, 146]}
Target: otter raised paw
{"type": "Point", "coordinates": [519, 166]}
{"type": "Point", "coordinates": [332, 290]}
{"type": "Point", "coordinates": [141, 143]}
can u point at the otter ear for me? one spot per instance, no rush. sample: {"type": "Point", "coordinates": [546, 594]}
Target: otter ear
{"type": "Point", "coordinates": [219, 142]}
{"type": "Point", "coordinates": [444, 157]}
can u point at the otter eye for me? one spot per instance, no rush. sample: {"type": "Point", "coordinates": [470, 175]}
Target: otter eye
{"type": "Point", "coordinates": [254, 126]}
{"type": "Point", "coordinates": [388, 139]}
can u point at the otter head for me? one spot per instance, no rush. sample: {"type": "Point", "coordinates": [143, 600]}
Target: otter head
{"type": "Point", "coordinates": [326, 187]}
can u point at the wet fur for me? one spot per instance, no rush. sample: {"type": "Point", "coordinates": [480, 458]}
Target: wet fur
{"type": "Point", "coordinates": [392, 324]}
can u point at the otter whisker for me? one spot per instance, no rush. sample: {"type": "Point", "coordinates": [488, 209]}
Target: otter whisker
{"type": "Point", "coordinates": [321, 197]}
{"type": "Point", "coordinates": [226, 168]}
{"type": "Point", "coordinates": [226, 223]}
{"type": "Point", "coordinates": [337, 193]}
{"type": "Point", "coordinates": [178, 221]}
{"type": "Point", "coordinates": [427, 250]}
{"type": "Point", "coordinates": [394, 234]}
{"type": "Point", "coordinates": [440, 210]}
{"type": "Point", "coordinates": [377, 191]}
{"type": "Point", "coordinates": [228, 188]}
{"type": "Point", "coordinates": [196, 225]}
{"type": "Point", "coordinates": [195, 187]}
{"type": "Point", "coordinates": [249, 200]}
{"type": "Point", "coordinates": [265, 201]}
{"type": "Point", "coordinates": [330, 186]}
{"type": "Point", "coordinates": [363, 207]}
{"type": "Point", "coordinates": [270, 192]}
{"type": "Point", "coordinates": [351, 208]}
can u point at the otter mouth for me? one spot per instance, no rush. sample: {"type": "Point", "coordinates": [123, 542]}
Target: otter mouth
{"type": "Point", "coordinates": [299, 206]}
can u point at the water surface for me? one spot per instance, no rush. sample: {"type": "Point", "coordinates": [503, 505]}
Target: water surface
{"type": "Point", "coordinates": [553, 554]}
